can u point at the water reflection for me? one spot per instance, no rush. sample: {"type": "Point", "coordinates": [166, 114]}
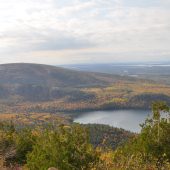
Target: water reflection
{"type": "Point", "coordinates": [127, 119]}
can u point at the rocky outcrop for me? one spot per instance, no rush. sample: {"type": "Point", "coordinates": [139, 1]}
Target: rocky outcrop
{"type": "Point", "coordinates": [52, 168]}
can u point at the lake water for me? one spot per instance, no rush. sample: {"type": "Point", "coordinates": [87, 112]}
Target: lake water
{"type": "Point", "coordinates": [126, 119]}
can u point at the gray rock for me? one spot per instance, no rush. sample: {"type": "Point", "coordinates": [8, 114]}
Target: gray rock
{"type": "Point", "coordinates": [52, 168]}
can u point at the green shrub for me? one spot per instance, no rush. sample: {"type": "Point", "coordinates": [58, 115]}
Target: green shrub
{"type": "Point", "coordinates": [66, 148]}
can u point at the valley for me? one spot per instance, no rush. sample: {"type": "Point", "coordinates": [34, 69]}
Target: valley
{"type": "Point", "coordinates": [47, 110]}
{"type": "Point", "coordinates": [33, 88]}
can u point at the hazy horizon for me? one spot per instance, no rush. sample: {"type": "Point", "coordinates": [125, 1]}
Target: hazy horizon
{"type": "Point", "coordinates": [84, 31]}
{"type": "Point", "coordinates": [129, 63]}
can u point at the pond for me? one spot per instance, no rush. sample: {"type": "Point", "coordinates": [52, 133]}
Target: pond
{"type": "Point", "coordinates": [126, 119]}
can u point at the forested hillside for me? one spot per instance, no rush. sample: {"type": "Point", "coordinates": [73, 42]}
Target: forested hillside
{"type": "Point", "coordinates": [69, 147]}
{"type": "Point", "coordinates": [105, 136]}
{"type": "Point", "coordinates": [41, 88]}
{"type": "Point", "coordinates": [51, 76]}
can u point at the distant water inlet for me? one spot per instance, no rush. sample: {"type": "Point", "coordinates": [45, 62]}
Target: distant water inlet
{"type": "Point", "coordinates": [126, 119]}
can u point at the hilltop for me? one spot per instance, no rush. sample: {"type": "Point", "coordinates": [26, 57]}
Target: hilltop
{"type": "Point", "coordinates": [51, 76]}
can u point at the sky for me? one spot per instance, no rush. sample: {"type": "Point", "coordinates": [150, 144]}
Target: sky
{"type": "Point", "coordinates": [84, 31]}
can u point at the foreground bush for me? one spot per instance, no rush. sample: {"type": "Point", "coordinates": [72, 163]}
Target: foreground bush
{"type": "Point", "coordinates": [66, 148]}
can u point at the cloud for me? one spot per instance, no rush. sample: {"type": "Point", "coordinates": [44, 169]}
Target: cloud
{"type": "Point", "coordinates": [62, 42]}
{"type": "Point", "coordinates": [80, 28]}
